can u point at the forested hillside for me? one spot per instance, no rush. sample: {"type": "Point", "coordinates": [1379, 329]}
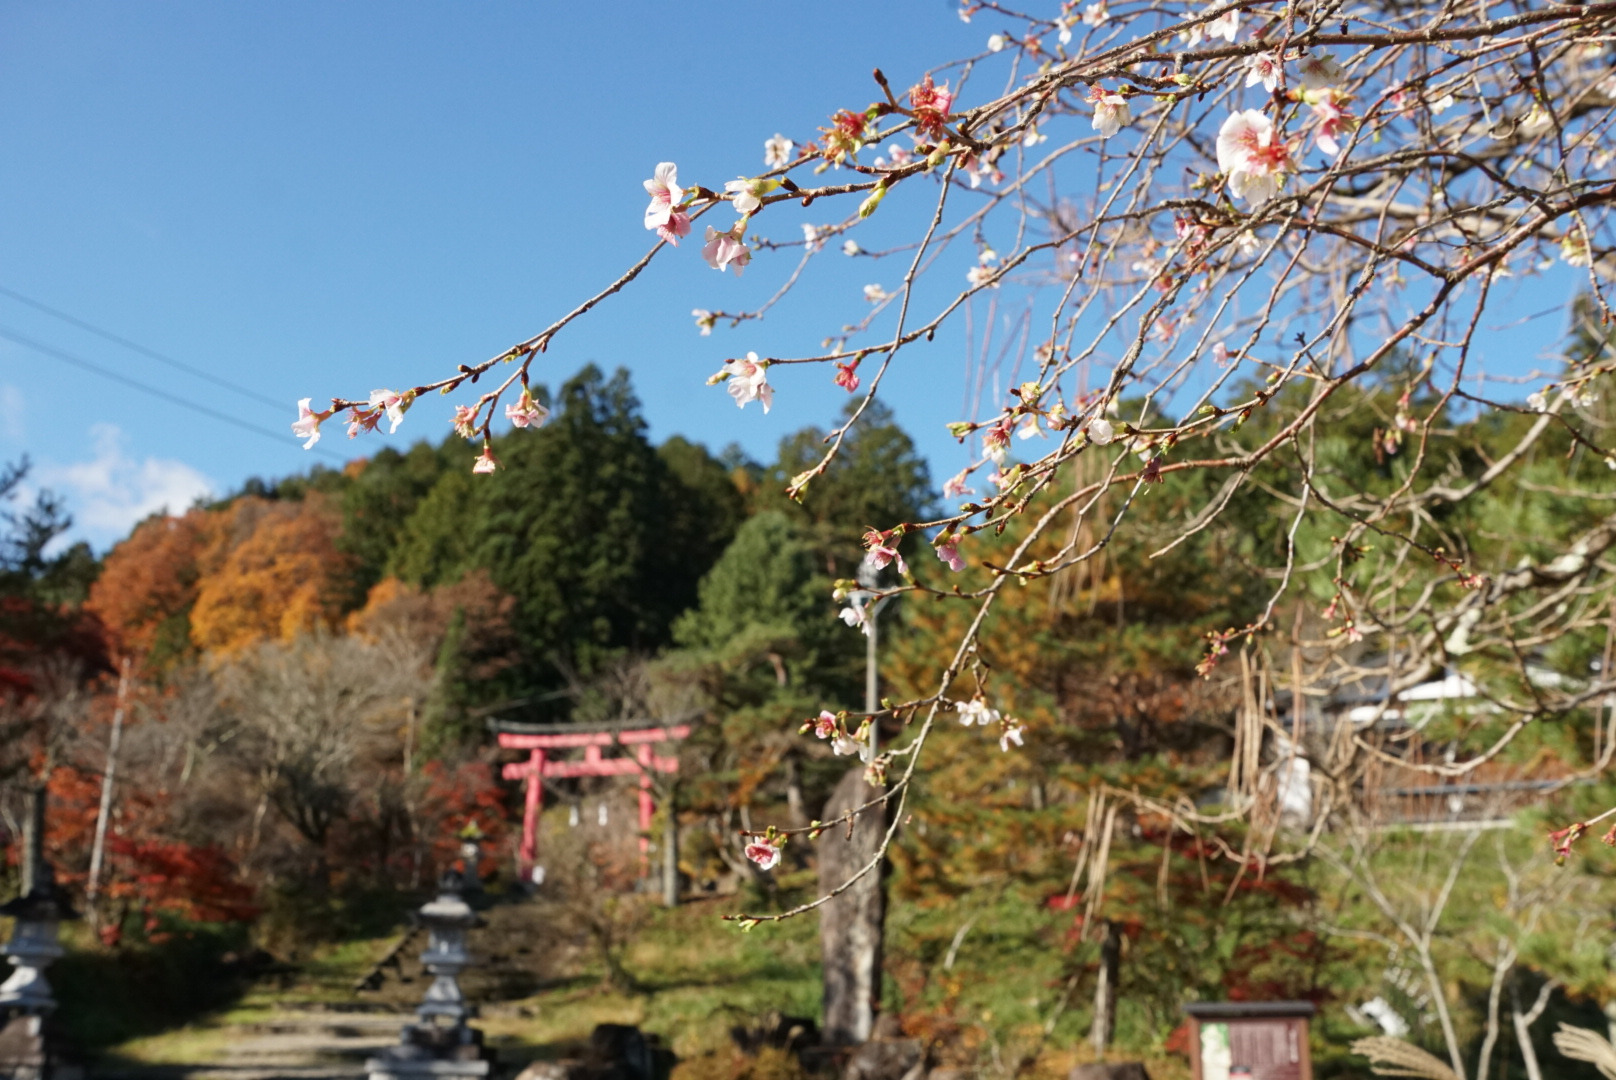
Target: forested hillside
{"type": "Point", "coordinates": [312, 662]}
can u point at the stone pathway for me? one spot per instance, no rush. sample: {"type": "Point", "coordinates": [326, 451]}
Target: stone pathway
{"type": "Point", "coordinates": [325, 1044]}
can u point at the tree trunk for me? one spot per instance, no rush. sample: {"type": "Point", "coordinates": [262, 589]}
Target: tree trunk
{"type": "Point", "coordinates": [1105, 990]}
{"type": "Point", "coordinates": [850, 926]}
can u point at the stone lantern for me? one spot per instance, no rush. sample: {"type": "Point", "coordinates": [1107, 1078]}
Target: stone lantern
{"type": "Point", "coordinates": [33, 945]}
{"type": "Point", "coordinates": [440, 1043]}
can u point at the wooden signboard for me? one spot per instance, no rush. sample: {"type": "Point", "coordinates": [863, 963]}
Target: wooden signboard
{"type": "Point", "coordinates": [1250, 1040]}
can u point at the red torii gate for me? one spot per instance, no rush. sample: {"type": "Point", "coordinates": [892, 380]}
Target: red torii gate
{"type": "Point", "coordinates": [567, 736]}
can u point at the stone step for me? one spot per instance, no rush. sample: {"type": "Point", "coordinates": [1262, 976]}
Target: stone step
{"type": "Point", "coordinates": [306, 1048]}
{"type": "Point", "coordinates": [230, 1072]}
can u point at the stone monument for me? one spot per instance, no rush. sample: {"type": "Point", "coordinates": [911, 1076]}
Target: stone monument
{"type": "Point", "coordinates": [441, 1044]}
{"type": "Point", "coordinates": [26, 1001]}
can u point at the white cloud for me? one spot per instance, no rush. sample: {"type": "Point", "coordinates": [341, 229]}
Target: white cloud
{"type": "Point", "coordinates": [109, 493]}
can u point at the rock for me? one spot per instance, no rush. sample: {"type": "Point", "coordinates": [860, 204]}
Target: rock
{"type": "Point", "coordinates": [793, 1033]}
{"type": "Point", "coordinates": [553, 1070]}
{"type": "Point", "coordinates": [889, 1059]}
{"type": "Point", "coordinates": [1127, 1070]}
{"type": "Point", "coordinates": [624, 1052]}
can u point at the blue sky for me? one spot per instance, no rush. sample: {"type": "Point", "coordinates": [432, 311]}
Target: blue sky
{"type": "Point", "coordinates": [317, 199]}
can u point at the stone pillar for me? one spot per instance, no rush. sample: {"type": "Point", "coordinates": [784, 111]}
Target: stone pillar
{"type": "Point", "coordinates": [850, 926]}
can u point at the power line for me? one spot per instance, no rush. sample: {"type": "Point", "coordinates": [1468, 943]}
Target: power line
{"type": "Point", "coordinates": [107, 373]}
{"type": "Point", "coordinates": [141, 349]}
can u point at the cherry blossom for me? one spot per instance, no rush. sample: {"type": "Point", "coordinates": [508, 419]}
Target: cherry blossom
{"type": "Point", "coordinates": [1029, 428]}
{"type": "Point", "coordinates": [931, 104]}
{"type": "Point", "coordinates": [746, 195]}
{"type": "Point", "coordinates": [845, 745]}
{"type": "Point", "coordinates": [307, 424]}
{"type": "Point", "coordinates": [979, 276]}
{"type": "Point", "coordinates": [997, 42]}
{"type": "Point", "coordinates": [854, 614]}
{"type": "Point", "coordinates": [996, 440]}
{"type": "Point", "coordinates": [976, 711]}
{"type": "Point", "coordinates": [487, 463]}
{"type": "Point", "coordinates": [526, 412]}
{"type": "Point", "coordinates": [875, 294]}
{"type": "Point", "coordinates": [955, 488]}
{"type": "Point", "coordinates": [1319, 71]}
{"type": "Point", "coordinates": [824, 724]}
{"type": "Point", "coordinates": [1110, 110]}
{"type": "Point", "coordinates": [1096, 14]}
{"type": "Point", "coordinates": [1100, 431]}
{"type": "Point", "coordinates": [392, 404]}
{"type": "Point", "coordinates": [1220, 353]}
{"type": "Point", "coordinates": [777, 151]}
{"type": "Point", "coordinates": [1334, 122]}
{"type": "Point", "coordinates": [1442, 104]}
{"type": "Point", "coordinates": [725, 249]}
{"type": "Point", "coordinates": [465, 421]}
{"type": "Point", "coordinates": [1574, 250]}
{"type": "Point", "coordinates": [1248, 153]}
{"type": "Point", "coordinates": [1538, 401]}
{"type": "Point", "coordinates": [765, 854]}
{"type": "Point", "coordinates": [851, 247]}
{"type": "Point", "coordinates": [948, 552]}
{"type": "Point", "coordinates": [1013, 731]}
{"type": "Point", "coordinates": [704, 320]}
{"type": "Point", "coordinates": [666, 194]}
{"type": "Point", "coordinates": [847, 376]}
{"type": "Point", "coordinates": [748, 381]}
{"type": "Point", "coordinates": [881, 549]}
{"type": "Point", "coordinates": [1264, 68]}
{"type": "Point", "coordinates": [1225, 26]}
{"type": "Point", "coordinates": [811, 238]}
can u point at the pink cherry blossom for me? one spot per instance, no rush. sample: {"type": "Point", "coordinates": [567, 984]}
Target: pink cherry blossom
{"type": "Point", "coordinates": [996, 440]}
{"type": "Point", "coordinates": [307, 424]}
{"type": "Point", "coordinates": [678, 225]}
{"type": "Point", "coordinates": [666, 194]}
{"type": "Point", "coordinates": [465, 421]}
{"type": "Point", "coordinates": [748, 381]}
{"type": "Point", "coordinates": [1110, 110]}
{"type": "Point", "coordinates": [931, 104]}
{"type": "Point", "coordinates": [1248, 153]}
{"type": "Point", "coordinates": [847, 376]}
{"type": "Point", "coordinates": [1318, 71]}
{"type": "Point", "coordinates": [881, 549]}
{"type": "Point", "coordinates": [765, 854]}
{"type": "Point", "coordinates": [487, 463]}
{"type": "Point", "coordinates": [526, 412]}
{"type": "Point", "coordinates": [825, 724]}
{"type": "Point", "coordinates": [956, 485]}
{"type": "Point", "coordinates": [725, 249]}
{"type": "Point", "coordinates": [392, 404]}
{"type": "Point", "coordinates": [949, 553]}
{"type": "Point", "coordinates": [855, 615]}
{"type": "Point", "coordinates": [1264, 68]}
{"type": "Point", "coordinates": [1334, 122]}
{"type": "Point", "coordinates": [1220, 353]}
